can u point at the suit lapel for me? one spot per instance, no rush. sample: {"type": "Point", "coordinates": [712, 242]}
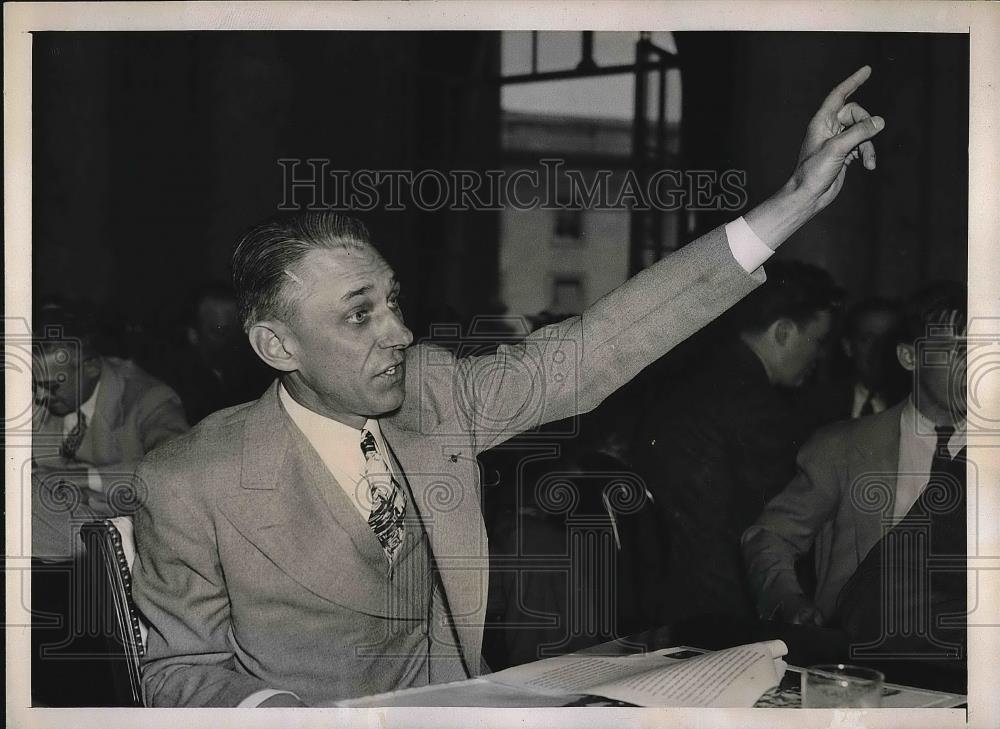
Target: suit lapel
{"type": "Point", "coordinates": [279, 507]}
{"type": "Point", "coordinates": [101, 443]}
{"type": "Point", "coordinates": [442, 481]}
{"type": "Point", "coordinates": [876, 460]}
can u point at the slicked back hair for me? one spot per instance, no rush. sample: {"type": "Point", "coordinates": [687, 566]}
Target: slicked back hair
{"type": "Point", "coordinates": [265, 256]}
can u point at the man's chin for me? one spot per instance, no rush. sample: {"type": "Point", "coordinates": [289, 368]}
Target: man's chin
{"type": "Point", "coordinates": [390, 401]}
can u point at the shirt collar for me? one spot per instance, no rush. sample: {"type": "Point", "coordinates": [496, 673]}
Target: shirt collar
{"type": "Point", "coordinates": [914, 423]}
{"type": "Point", "coordinates": [90, 406]}
{"type": "Point", "coordinates": [331, 438]}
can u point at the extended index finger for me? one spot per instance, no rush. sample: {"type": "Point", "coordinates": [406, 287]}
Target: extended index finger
{"type": "Point", "coordinates": [836, 98]}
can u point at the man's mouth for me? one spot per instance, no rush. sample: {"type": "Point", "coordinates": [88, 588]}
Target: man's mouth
{"type": "Point", "coordinates": [392, 371]}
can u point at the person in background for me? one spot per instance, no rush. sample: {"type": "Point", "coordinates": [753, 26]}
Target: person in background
{"type": "Point", "coordinates": [857, 477]}
{"type": "Point", "coordinates": [216, 367]}
{"type": "Point", "coordinates": [873, 381]}
{"type": "Point", "coordinates": [94, 417]}
{"type": "Point", "coordinates": [724, 441]}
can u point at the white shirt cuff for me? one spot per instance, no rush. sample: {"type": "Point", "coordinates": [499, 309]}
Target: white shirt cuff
{"type": "Point", "coordinates": [748, 250]}
{"type": "Point", "coordinates": [259, 697]}
{"type": "Point", "coordinates": [94, 482]}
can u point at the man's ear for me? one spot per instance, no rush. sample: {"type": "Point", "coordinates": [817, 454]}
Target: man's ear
{"type": "Point", "coordinates": [907, 356]}
{"type": "Point", "coordinates": [782, 330]}
{"type": "Point", "coordinates": [273, 343]}
{"type": "Point", "coordinates": [192, 336]}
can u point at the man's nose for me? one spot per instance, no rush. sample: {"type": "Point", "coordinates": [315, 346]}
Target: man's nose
{"type": "Point", "coordinates": [397, 335]}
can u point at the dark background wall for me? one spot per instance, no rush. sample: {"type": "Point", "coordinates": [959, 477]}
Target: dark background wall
{"type": "Point", "coordinates": [153, 151]}
{"type": "Point", "coordinates": [749, 96]}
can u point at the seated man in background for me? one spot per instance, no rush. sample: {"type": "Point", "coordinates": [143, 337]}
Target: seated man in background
{"type": "Point", "coordinates": [725, 441]}
{"type": "Point", "coordinates": [873, 381]}
{"type": "Point", "coordinates": [94, 418]}
{"type": "Point", "coordinates": [857, 477]}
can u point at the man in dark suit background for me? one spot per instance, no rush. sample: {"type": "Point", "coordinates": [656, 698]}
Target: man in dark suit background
{"type": "Point", "coordinates": [857, 479]}
{"type": "Point", "coordinates": [327, 540]}
{"type": "Point", "coordinates": [719, 444]}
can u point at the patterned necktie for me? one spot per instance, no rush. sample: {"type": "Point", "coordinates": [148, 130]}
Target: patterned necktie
{"type": "Point", "coordinates": [71, 443]}
{"type": "Point", "coordinates": [388, 499]}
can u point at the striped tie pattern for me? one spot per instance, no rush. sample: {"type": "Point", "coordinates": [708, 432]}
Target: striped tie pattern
{"type": "Point", "coordinates": [71, 443]}
{"type": "Point", "coordinates": [388, 499]}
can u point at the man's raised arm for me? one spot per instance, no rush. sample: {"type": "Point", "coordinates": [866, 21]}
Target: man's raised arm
{"type": "Point", "coordinates": [570, 367]}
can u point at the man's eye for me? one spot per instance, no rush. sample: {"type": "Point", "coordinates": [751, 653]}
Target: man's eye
{"type": "Point", "coordinates": [358, 317]}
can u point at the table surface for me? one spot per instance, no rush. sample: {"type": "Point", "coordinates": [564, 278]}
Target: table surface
{"type": "Point", "coordinates": [807, 646]}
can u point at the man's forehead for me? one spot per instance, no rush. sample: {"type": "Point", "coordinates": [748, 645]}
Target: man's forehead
{"type": "Point", "coordinates": [344, 265]}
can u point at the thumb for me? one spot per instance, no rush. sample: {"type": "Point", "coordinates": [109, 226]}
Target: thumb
{"type": "Point", "coordinates": [854, 135]}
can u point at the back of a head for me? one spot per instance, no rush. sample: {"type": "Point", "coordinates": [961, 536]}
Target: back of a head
{"type": "Point", "coordinates": [264, 257]}
{"type": "Point", "coordinates": [794, 290]}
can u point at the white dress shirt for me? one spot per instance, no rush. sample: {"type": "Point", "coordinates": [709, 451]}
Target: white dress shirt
{"type": "Point", "coordinates": [861, 395]}
{"type": "Point", "coordinates": [917, 441]}
{"type": "Point", "coordinates": [87, 408]}
{"type": "Point", "coordinates": [339, 447]}
{"type": "Point", "coordinates": [94, 481]}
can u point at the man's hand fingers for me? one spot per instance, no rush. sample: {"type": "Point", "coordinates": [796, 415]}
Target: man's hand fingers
{"type": "Point", "coordinates": [852, 113]}
{"type": "Point", "coordinates": [857, 135]}
{"type": "Point", "coordinates": [868, 155]}
{"type": "Point", "coordinates": [836, 98]}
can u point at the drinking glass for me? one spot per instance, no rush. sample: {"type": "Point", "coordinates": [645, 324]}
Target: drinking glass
{"type": "Point", "coordinates": [838, 686]}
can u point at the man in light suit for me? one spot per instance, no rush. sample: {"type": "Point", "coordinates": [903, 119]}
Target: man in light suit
{"type": "Point", "coordinates": [327, 540]}
{"type": "Point", "coordinates": [94, 418]}
{"type": "Point", "coordinates": [858, 478]}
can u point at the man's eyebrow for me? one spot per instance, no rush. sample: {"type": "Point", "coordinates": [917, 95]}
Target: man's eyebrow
{"type": "Point", "coordinates": [356, 292]}
{"type": "Point", "coordinates": [363, 290]}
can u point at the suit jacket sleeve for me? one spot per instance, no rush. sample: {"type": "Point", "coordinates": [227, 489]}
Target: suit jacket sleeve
{"type": "Point", "coordinates": [156, 418]}
{"type": "Point", "coordinates": [790, 523]}
{"type": "Point", "coordinates": [570, 367]}
{"type": "Point", "coordinates": [56, 516]}
{"type": "Point", "coordinates": [189, 660]}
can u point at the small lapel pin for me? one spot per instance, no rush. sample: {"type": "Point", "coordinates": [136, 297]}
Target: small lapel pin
{"type": "Point", "coordinates": [453, 457]}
